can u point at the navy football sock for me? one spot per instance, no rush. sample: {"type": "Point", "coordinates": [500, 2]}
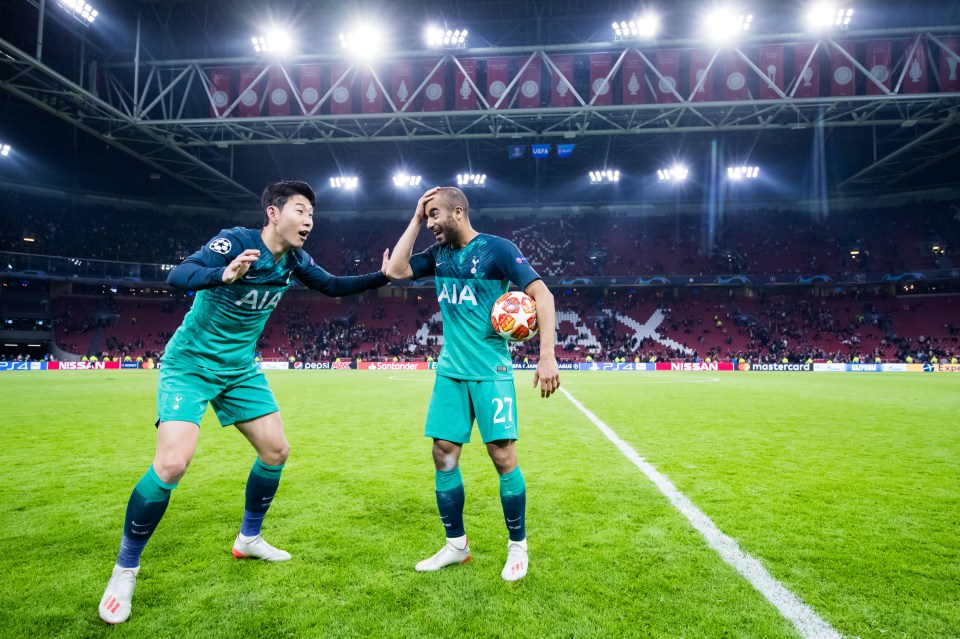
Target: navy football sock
{"type": "Point", "coordinates": [513, 497]}
{"type": "Point", "coordinates": [450, 500]}
{"type": "Point", "coordinates": [261, 487]}
{"type": "Point", "coordinates": [147, 504]}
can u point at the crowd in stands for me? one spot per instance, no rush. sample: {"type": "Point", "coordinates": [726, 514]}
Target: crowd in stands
{"type": "Point", "coordinates": [924, 236]}
{"type": "Point", "coordinates": [631, 327]}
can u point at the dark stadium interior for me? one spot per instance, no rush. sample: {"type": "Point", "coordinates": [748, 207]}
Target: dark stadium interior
{"type": "Point", "coordinates": [805, 262]}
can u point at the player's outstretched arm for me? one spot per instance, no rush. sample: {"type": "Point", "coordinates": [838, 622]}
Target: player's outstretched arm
{"type": "Point", "coordinates": [207, 269]}
{"type": "Point", "coordinates": [547, 373]}
{"type": "Point", "coordinates": [398, 267]}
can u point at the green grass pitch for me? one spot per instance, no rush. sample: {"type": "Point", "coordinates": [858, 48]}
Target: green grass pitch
{"type": "Point", "coordinates": [844, 486]}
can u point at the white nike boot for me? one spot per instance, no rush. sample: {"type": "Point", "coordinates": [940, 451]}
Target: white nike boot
{"type": "Point", "coordinates": [516, 566]}
{"type": "Point", "coordinates": [450, 554]}
{"type": "Point", "coordinates": [117, 599]}
{"type": "Point", "coordinates": [256, 548]}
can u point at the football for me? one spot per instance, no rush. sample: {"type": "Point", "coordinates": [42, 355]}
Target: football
{"type": "Point", "coordinates": [514, 316]}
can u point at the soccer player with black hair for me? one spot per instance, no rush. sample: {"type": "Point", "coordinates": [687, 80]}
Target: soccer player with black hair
{"type": "Point", "coordinates": [240, 276]}
{"type": "Point", "coordinates": [474, 372]}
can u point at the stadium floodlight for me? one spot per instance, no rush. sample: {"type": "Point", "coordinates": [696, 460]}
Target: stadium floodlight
{"type": "Point", "coordinates": [645, 26]}
{"type": "Point", "coordinates": [724, 25]}
{"type": "Point", "coordinates": [737, 173]}
{"type": "Point", "coordinates": [80, 10]}
{"type": "Point", "coordinates": [472, 179]}
{"type": "Point", "coordinates": [675, 173]}
{"type": "Point", "coordinates": [365, 40]}
{"type": "Point", "coordinates": [4, 150]}
{"type": "Point", "coordinates": [402, 180]}
{"type": "Point", "coordinates": [607, 176]}
{"type": "Point", "coordinates": [345, 182]}
{"type": "Point", "coordinates": [826, 15]}
{"type": "Point", "coordinates": [446, 38]}
{"type": "Point", "coordinates": [273, 42]}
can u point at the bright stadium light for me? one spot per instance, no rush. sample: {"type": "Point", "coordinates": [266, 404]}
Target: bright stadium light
{"type": "Point", "coordinates": [80, 10]}
{"type": "Point", "coordinates": [723, 24]}
{"type": "Point", "coordinates": [645, 26]}
{"type": "Point", "coordinates": [365, 40]}
{"type": "Point", "coordinates": [607, 176]}
{"type": "Point", "coordinates": [675, 173]}
{"type": "Point", "coordinates": [826, 15]}
{"type": "Point", "coordinates": [273, 42]}
{"type": "Point", "coordinates": [446, 38]}
{"type": "Point", "coordinates": [344, 182]}
{"type": "Point", "coordinates": [472, 179]}
{"type": "Point", "coordinates": [4, 150]}
{"type": "Point", "coordinates": [737, 173]}
{"type": "Point", "coordinates": [402, 180]}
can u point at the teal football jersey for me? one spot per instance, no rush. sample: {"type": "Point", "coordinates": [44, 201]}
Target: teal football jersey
{"type": "Point", "coordinates": [469, 281]}
{"type": "Point", "coordinates": [222, 327]}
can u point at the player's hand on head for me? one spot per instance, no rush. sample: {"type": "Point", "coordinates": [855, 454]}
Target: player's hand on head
{"type": "Point", "coordinates": [421, 213]}
{"type": "Point", "coordinates": [240, 265]}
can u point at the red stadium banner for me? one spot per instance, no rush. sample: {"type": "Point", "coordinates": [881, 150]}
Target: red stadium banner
{"type": "Point", "coordinates": [735, 79]}
{"type": "Point", "coordinates": [633, 74]}
{"type": "Point", "coordinates": [699, 60]}
{"type": "Point", "coordinates": [221, 91]}
{"type": "Point", "coordinates": [668, 64]}
{"type": "Point", "coordinates": [807, 75]}
{"type": "Point", "coordinates": [560, 85]}
{"type": "Point", "coordinates": [530, 86]}
{"type": "Point", "coordinates": [843, 76]}
{"type": "Point", "coordinates": [402, 85]}
{"type": "Point", "coordinates": [371, 97]}
{"type": "Point", "coordinates": [250, 95]}
{"type": "Point", "coordinates": [498, 77]}
{"type": "Point", "coordinates": [465, 98]}
{"type": "Point", "coordinates": [278, 93]}
{"type": "Point", "coordinates": [876, 58]}
{"type": "Point", "coordinates": [600, 93]}
{"type": "Point", "coordinates": [949, 75]}
{"type": "Point", "coordinates": [916, 79]}
{"type": "Point", "coordinates": [310, 85]}
{"type": "Point", "coordinates": [770, 61]}
{"type": "Point", "coordinates": [434, 93]}
{"type": "Point", "coordinates": [341, 101]}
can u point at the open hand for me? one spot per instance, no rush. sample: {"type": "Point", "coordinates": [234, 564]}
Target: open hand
{"type": "Point", "coordinates": [240, 265]}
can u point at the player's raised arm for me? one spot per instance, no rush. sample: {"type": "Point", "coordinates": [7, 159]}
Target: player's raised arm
{"type": "Point", "coordinates": [398, 267]}
{"type": "Point", "coordinates": [547, 372]}
{"type": "Point", "coordinates": [219, 262]}
{"type": "Point", "coordinates": [315, 277]}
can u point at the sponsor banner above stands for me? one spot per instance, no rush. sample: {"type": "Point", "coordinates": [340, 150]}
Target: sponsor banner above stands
{"type": "Point", "coordinates": [394, 366]}
{"type": "Point", "coordinates": [82, 366]}
{"type": "Point", "coordinates": [22, 366]}
{"type": "Point", "coordinates": [616, 366]}
{"type": "Point", "coordinates": [275, 366]}
{"type": "Point", "coordinates": [694, 366]}
{"type": "Point", "coordinates": [789, 367]}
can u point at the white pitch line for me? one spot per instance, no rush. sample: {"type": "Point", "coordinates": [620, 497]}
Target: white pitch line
{"type": "Point", "coordinates": [807, 622]}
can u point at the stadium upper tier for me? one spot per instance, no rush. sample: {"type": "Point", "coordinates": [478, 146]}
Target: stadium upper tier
{"type": "Point", "coordinates": [890, 240]}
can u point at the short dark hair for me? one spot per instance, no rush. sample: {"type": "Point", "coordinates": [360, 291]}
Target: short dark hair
{"type": "Point", "coordinates": [454, 197]}
{"type": "Point", "coordinates": [277, 193]}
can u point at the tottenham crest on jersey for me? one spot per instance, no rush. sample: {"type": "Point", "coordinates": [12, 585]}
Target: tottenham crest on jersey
{"type": "Point", "coordinates": [221, 245]}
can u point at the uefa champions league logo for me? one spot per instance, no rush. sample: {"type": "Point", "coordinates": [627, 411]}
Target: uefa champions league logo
{"type": "Point", "coordinates": [221, 245]}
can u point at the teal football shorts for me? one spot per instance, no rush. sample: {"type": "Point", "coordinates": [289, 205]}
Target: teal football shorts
{"type": "Point", "coordinates": [236, 396]}
{"type": "Point", "coordinates": [456, 403]}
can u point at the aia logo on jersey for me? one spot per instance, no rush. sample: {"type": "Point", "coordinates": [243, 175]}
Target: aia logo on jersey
{"type": "Point", "coordinates": [221, 245]}
{"type": "Point", "coordinates": [460, 295]}
{"type": "Point", "coordinates": [259, 302]}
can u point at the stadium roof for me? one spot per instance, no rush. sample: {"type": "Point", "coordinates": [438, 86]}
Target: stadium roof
{"type": "Point", "coordinates": [65, 139]}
